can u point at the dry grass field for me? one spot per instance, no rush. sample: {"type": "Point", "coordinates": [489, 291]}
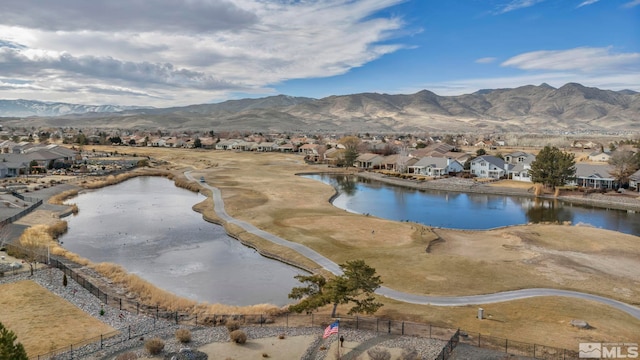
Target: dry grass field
{"type": "Point", "coordinates": [263, 189]}
{"type": "Point", "coordinates": [43, 321]}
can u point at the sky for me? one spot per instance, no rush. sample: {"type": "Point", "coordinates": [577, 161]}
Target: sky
{"type": "Point", "coordinates": [165, 53]}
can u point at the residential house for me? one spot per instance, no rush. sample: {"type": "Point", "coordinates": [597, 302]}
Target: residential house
{"type": "Point", "coordinates": [595, 176]}
{"type": "Point", "coordinates": [264, 147]}
{"type": "Point", "coordinates": [634, 181]}
{"type": "Point", "coordinates": [369, 161]}
{"type": "Point", "coordinates": [520, 168]}
{"type": "Point", "coordinates": [286, 148]}
{"type": "Point", "coordinates": [517, 157]}
{"type": "Point", "coordinates": [436, 166]}
{"type": "Point", "coordinates": [584, 144]}
{"type": "Point", "coordinates": [243, 145]}
{"type": "Point", "coordinates": [226, 144]}
{"type": "Point", "coordinates": [600, 156]}
{"type": "Point", "coordinates": [488, 166]}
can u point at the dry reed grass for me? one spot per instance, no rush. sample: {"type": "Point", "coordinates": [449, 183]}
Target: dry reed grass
{"type": "Point", "coordinates": [60, 198]}
{"type": "Point", "coordinates": [109, 180]}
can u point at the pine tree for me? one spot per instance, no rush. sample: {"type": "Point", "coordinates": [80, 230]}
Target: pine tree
{"type": "Point", "coordinates": [553, 167]}
{"type": "Point", "coordinates": [9, 350]}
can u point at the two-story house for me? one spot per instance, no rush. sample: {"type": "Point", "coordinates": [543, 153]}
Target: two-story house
{"type": "Point", "coordinates": [488, 166]}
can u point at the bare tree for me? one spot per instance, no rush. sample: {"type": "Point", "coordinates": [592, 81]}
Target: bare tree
{"type": "Point", "coordinates": [34, 242]}
{"type": "Point", "coordinates": [624, 164]}
{"type": "Point", "coordinates": [401, 160]}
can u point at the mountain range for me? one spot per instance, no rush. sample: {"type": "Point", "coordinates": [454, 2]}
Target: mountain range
{"type": "Point", "coordinates": [572, 107]}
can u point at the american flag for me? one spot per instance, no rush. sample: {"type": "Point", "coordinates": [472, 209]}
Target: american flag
{"type": "Point", "coordinates": [331, 329]}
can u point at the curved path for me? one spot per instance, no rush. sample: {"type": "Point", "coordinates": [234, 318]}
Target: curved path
{"type": "Point", "coordinates": [218, 206]}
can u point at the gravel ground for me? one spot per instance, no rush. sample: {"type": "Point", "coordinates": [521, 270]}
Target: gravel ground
{"type": "Point", "coordinates": [143, 327]}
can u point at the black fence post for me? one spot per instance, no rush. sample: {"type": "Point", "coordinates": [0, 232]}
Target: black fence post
{"type": "Point", "coordinates": [479, 340]}
{"type": "Point", "coordinates": [129, 334]}
{"type": "Point", "coordinates": [100, 341]}
{"type": "Point", "coordinates": [389, 328]}
{"type": "Point", "coordinates": [120, 301]}
{"type": "Point", "coordinates": [196, 319]}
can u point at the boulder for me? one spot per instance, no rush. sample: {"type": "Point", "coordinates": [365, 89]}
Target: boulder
{"type": "Point", "coordinates": [187, 354]}
{"type": "Point", "coordinates": [580, 324]}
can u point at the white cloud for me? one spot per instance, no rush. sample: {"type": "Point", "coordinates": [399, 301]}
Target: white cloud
{"type": "Point", "coordinates": [185, 51]}
{"type": "Point", "coordinates": [631, 4]}
{"type": "Point", "coordinates": [587, 2]}
{"type": "Point", "coordinates": [583, 59]}
{"type": "Point", "coordinates": [486, 60]}
{"type": "Point", "coordinates": [516, 5]}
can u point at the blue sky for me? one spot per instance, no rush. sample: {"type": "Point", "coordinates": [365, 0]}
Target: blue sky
{"type": "Point", "coordinates": [180, 52]}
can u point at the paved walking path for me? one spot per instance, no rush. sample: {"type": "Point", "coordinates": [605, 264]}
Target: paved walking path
{"type": "Point", "coordinates": [407, 297]}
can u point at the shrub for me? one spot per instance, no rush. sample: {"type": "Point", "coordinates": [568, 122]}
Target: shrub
{"type": "Point", "coordinates": [379, 354]}
{"type": "Point", "coordinates": [127, 356]}
{"type": "Point", "coordinates": [154, 346]}
{"type": "Point", "coordinates": [183, 335]}
{"type": "Point", "coordinates": [238, 337]}
{"type": "Point", "coordinates": [232, 325]}
{"type": "Point", "coordinates": [409, 354]}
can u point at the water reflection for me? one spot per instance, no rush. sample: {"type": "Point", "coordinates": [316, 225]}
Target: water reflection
{"type": "Point", "coordinates": [548, 210]}
{"type": "Point", "coordinates": [466, 210]}
{"type": "Point", "coordinates": [146, 224]}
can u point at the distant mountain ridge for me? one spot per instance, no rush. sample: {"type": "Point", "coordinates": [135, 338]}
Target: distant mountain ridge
{"type": "Point", "coordinates": [25, 108]}
{"type": "Point", "coordinates": [527, 108]}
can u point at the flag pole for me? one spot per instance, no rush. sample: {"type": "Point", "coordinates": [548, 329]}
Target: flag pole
{"type": "Point", "coordinates": [338, 338]}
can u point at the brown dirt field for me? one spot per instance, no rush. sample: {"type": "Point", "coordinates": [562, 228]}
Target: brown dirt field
{"type": "Point", "coordinates": [43, 321]}
{"type": "Point", "coordinates": [262, 188]}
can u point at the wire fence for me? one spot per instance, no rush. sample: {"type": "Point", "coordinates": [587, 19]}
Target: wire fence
{"type": "Point", "coordinates": [159, 316]}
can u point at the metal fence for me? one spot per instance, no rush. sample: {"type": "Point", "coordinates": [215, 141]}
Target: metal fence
{"type": "Point", "coordinates": [452, 337]}
{"type": "Point", "coordinates": [36, 203]}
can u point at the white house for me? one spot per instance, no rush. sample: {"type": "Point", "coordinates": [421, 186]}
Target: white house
{"type": "Point", "coordinates": [488, 166]}
{"type": "Point", "coordinates": [436, 166]}
{"type": "Point", "coordinates": [521, 168]}
{"type": "Point", "coordinates": [600, 156]}
{"type": "Point", "coordinates": [634, 181]}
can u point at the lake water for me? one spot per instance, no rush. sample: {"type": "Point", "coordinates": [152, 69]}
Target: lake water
{"type": "Point", "coordinates": [466, 210]}
{"type": "Point", "coordinates": [146, 225]}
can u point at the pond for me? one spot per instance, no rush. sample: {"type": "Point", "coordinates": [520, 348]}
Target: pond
{"type": "Point", "coordinates": [469, 211]}
{"type": "Point", "coordinates": [147, 226]}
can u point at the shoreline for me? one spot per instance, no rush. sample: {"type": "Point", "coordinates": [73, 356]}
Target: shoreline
{"type": "Point", "coordinates": [467, 185]}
